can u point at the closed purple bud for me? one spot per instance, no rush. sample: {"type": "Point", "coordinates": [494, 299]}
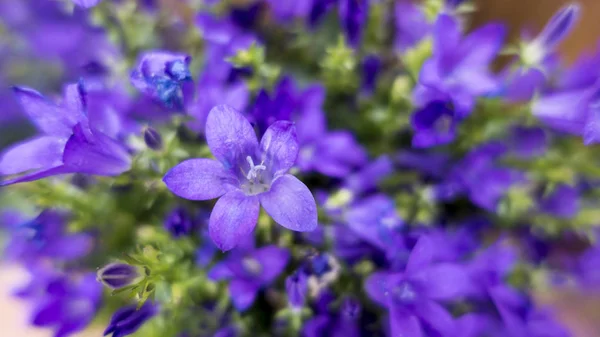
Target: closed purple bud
{"type": "Point", "coordinates": [296, 286]}
{"type": "Point", "coordinates": [179, 222]}
{"type": "Point", "coordinates": [559, 26]}
{"type": "Point", "coordinates": [118, 275]}
{"type": "Point", "coordinates": [129, 319]}
{"type": "Point", "coordinates": [153, 139]}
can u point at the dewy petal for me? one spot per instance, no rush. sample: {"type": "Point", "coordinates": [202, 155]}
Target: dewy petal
{"type": "Point", "coordinates": [229, 135]}
{"type": "Point", "coordinates": [34, 154]}
{"type": "Point", "coordinates": [47, 116]}
{"type": "Point", "coordinates": [233, 218]}
{"type": "Point", "coordinates": [378, 285]}
{"type": "Point", "coordinates": [198, 179]}
{"type": "Point", "coordinates": [242, 293]}
{"type": "Point", "coordinates": [279, 147]}
{"type": "Point", "coordinates": [290, 203]}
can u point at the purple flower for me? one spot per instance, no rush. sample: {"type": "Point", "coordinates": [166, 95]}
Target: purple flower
{"type": "Point", "coordinates": [535, 52]}
{"type": "Point", "coordinates": [353, 17]}
{"type": "Point", "coordinates": [245, 175]}
{"type": "Point", "coordinates": [411, 25]}
{"type": "Point", "coordinates": [574, 111]}
{"type": "Point", "coordinates": [214, 92]}
{"type": "Point", "coordinates": [346, 323]}
{"type": "Point", "coordinates": [179, 222]}
{"type": "Point", "coordinates": [562, 202]}
{"type": "Point", "coordinates": [118, 275]}
{"type": "Point", "coordinates": [333, 153]}
{"type": "Point", "coordinates": [296, 286]}
{"type": "Point", "coordinates": [371, 66]}
{"type": "Point", "coordinates": [249, 271]}
{"type": "Point", "coordinates": [86, 3]}
{"type": "Point", "coordinates": [69, 142]}
{"type": "Point", "coordinates": [164, 77]}
{"type": "Point", "coordinates": [319, 9]}
{"type": "Point", "coordinates": [286, 11]}
{"type": "Point", "coordinates": [412, 296]}
{"type": "Point", "coordinates": [224, 39]}
{"type": "Point", "coordinates": [434, 124]}
{"type": "Point", "coordinates": [537, 56]}
{"type": "Point", "coordinates": [377, 222]}
{"type": "Point", "coordinates": [129, 319]}
{"type": "Point", "coordinates": [458, 70]}
{"type": "Point", "coordinates": [479, 176]}
{"type": "Point", "coordinates": [46, 237]}
{"type": "Point", "coordinates": [66, 305]}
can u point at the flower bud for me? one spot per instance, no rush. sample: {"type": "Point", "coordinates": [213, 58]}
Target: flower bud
{"type": "Point", "coordinates": [296, 286]}
{"type": "Point", "coordinates": [179, 222]}
{"type": "Point", "coordinates": [129, 319]}
{"type": "Point", "coordinates": [153, 139]}
{"type": "Point", "coordinates": [118, 275]}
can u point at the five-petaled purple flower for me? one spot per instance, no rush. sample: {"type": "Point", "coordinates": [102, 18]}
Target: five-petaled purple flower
{"type": "Point", "coordinates": [412, 296]}
{"type": "Point", "coordinates": [457, 73]}
{"type": "Point", "coordinates": [245, 175]}
{"type": "Point", "coordinates": [250, 270]}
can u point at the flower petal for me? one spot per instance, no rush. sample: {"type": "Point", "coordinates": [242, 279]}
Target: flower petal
{"type": "Point", "coordinates": [36, 175]}
{"type": "Point", "coordinates": [100, 155]}
{"type": "Point", "coordinates": [47, 116]}
{"type": "Point", "coordinates": [421, 255]}
{"type": "Point", "coordinates": [229, 135]}
{"type": "Point", "coordinates": [242, 293]}
{"type": "Point", "coordinates": [444, 281]}
{"type": "Point", "coordinates": [290, 203]}
{"type": "Point", "coordinates": [233, 217]}
{"type": "Point", "coordinates": [403, 324]}
{"type": "Point", "coordinates": [198, 179]}
{"type": "Point", "coordinates": [279, 147]}
{"type": "Point", "coordinates": [273, 259]}
{"type": "Point", "coordinates": [34, 154]}
{"type": "Point", "coordinates": [436, 317]}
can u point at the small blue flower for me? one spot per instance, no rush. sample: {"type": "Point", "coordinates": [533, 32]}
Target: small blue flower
{"type": "Point", "coordinates": [179, 222]}
{"type": "Point", "coordinates": [296, 287]}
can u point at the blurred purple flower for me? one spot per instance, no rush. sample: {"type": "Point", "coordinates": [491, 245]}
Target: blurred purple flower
{"type": "Point", "coordinates": [245, 175]}
{"type": "Point", "coordinates": [574, 111]}
{"type": "Point", "coordinates": [66, 305]}
{"type": "Point", "coordinates": [164, 77]}
{"type": "Point", "coordinates": [118, 275]}
{"type": "Point", "coordinates": [411, 25]}
{"type": "Point", "coordinates": [353, 16]}
{"type": "Point", "coordinates": [69, 144]}
{"type": "Point", "coordinates": [458, 70]}
{"type": "Point", "coordinates": [46, 236]}
{"type": "Point", "coordinates": [249, 271]}
{"type": "Point", "coordinates": [345, 324]}
{"type": "Point", "coordinates": [179, 222]}
{"type": "Point", "coordinates": [412, 296]}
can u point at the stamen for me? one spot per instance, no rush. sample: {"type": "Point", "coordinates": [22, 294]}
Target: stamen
{"type": "Point", "coordinates": [253, 173]}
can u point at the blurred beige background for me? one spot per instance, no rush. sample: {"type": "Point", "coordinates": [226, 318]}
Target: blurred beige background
{"type": "Point", "coordinates": [579, 311]}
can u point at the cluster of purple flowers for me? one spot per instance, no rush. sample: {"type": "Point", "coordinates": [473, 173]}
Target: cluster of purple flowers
{"type": "Point", "coordinates": [424, 194]}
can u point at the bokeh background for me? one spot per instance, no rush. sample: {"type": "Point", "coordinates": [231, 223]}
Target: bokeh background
{"type": "Point", "coordinates": [579, 311]}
